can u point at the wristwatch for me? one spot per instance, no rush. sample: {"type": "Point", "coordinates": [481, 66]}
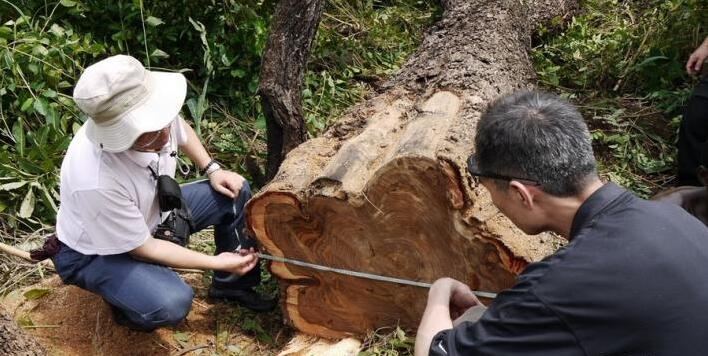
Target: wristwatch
{"type": "Point", "coordinates": [211, 167]}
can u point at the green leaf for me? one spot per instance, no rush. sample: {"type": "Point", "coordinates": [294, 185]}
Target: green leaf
{"type": "Point", "coordinates": [18, 131]}
{"type": "Point", "coordinates": [40, 50]}
{"type": "Point", "coordinates": [27, 104]}
{"type": "Point", "coordinates": [48, 199]}
{"type": "Point", "coordinates": [5, 32]}
{"type": "Point", "coordinates": [27, 207]}
{"type": "Point", "coordinates": [260, 122]}
{"type": "Point", "coordinates": [52, 117]}
{"type": "Point", "coordinates": [25, 320]}
{"type": "Point", "coordinates": [181, 337]}
{"type": "Point", "coordinates": [154, 21]}
{"type": "Point", "coordinates": [67, 3]}
{"type": "Point", "coordinates": [158, 53]}
{"type": "Point", "coordinates": [57, 30]}
{"type": "Point", "coordinates": [192, 106]}
{"type": "Point", "coordinates": [13, 185]}
{"type": "Point", "coordinates": [41, 106]}
{"type": "Point", "coordinates": [49, 93]}
{"type": "Point", "coordinates": [36, 293]}
{"type": "Point", "coordinates": [238, 73]}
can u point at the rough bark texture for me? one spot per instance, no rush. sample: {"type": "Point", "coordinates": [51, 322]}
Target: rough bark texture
{"type": "Point", "coordinates": [14, 341]}
{"type": "Point", "coordinates": [384, 190]}
{"type": "Point", "coordinates": [284, 59]}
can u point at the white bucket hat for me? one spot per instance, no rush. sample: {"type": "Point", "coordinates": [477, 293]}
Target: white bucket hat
{"type": "Point", "coordinates": [124, 100]}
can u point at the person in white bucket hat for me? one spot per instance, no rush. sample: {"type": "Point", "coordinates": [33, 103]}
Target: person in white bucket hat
{"type": "Point", "coordinates": [110, 211]}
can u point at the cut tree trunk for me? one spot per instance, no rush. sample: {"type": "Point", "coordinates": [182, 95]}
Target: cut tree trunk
{"type": "Point", "coordinates": [385, 191]}
{"type": "Point", "coordinates": [284, 60]}
{"type": "Point", "coordinates": [14, 341]}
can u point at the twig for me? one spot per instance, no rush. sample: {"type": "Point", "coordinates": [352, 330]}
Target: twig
{"type": "Point", "coordinates": [199, 304]}
{"type": "Point", "coordinates": [194, 348]}
{"type": "Point", "coordinates": [23, 254]}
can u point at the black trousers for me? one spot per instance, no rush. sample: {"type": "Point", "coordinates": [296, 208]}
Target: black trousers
{"type": "Point", "coordinates": [693, 136]}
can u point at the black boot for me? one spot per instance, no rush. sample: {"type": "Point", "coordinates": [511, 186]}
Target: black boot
{"type": "Point", "coordinates": [248, 298]}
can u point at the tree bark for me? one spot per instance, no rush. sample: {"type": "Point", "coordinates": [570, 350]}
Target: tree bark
{"type": "Point", "coordinates": [385, 190]}
{"type": "Point", "coordinates": [14, 341]}
{"type": "Point", "coordinates": [284, 61]}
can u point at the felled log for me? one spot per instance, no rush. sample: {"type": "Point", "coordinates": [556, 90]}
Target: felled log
{"type": "Point", "coordinates": [385, 191]}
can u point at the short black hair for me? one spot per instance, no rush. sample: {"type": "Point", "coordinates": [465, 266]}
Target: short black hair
{"type": "Point", "coordinates": [539, 136]}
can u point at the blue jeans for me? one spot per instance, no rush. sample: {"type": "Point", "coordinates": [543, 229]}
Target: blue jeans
{"type": "Point", "coordinates": [152, 295]}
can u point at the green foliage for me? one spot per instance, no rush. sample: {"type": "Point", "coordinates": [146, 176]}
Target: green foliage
{"type": "Point", "coordinates": [358, 43]}
{"type": "Point", "coordinates": [393, 343]}
{"type": "Point", "coordinates": [38, 63]}
{"type": "Point", "coordinates": [44, 46]}
{"type": "Point", "coordinates": [623, 63]}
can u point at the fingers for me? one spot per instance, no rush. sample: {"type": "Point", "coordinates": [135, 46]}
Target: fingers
{"type": "Point", "coordinates": [695, 61]}
{"type": "Point", "coordinates": [234, 182]}
{"type": "Point", "coordinates": [219, 187]}
{"type": "Point", "coordinates": [227, 183]}
{"type": "Point", "coordinates": [467, 300]}
{"type": "Point", "coordinates": [252, 261]}
{"type": "Point", "coordinates": [689, 65]}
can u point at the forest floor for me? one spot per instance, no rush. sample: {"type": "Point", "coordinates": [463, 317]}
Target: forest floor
{"type": "Point", "coordinates": [67, 320]}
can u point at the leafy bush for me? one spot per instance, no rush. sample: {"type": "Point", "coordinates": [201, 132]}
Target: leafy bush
{"type": "Point", "coordinates": [38, 63]}
{"type": "Point", "coordinates": [44, 46]}
{"type": "Point", "coordinates": [622, 62]}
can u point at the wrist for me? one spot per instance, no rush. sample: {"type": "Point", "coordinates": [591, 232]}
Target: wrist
{"type": "Point", "coordinates": [211, 167]}
{"type": "Point", "coordinates": [440, 291]}
{"type": "Point", "coordinates": [214, 263]}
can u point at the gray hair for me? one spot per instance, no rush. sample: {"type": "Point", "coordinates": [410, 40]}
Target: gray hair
{"type": "Point", "coordinates": [538, 136]}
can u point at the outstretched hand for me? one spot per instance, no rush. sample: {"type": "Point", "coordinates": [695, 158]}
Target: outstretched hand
{"type": "Point", "coordinates": [226, 182]}
{"type": "Point", "coordinates": [239, 262]}
{"type": "Point", "coordinates": [695, 61]}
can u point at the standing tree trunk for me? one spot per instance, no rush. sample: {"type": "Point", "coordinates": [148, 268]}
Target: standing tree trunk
{"type": "Point", "coordinates": [385, 191]}
{"type": "Point", "coordinates": [284, 60]}
{"type": "Point", "coordinates": [14, 341]}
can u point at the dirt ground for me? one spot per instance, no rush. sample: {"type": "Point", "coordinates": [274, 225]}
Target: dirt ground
{"type": "Point", "coordinates": [67, 320]}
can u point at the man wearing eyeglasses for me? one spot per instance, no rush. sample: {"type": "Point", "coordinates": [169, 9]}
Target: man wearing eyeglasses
{"type": "Point", "coordinates": [631, 281]}
{"type": "Point", "coordinates": [109, 238]}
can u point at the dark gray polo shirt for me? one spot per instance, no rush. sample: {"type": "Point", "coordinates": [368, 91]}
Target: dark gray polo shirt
{"type": "Point", "coordinates": [633, 280]}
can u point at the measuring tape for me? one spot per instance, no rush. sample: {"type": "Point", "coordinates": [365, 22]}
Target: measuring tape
{"type": "Point", "coordinates": [375, 277]}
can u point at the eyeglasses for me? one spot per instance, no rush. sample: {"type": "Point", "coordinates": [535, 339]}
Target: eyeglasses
{"type": "Point", "coordinates": [146, 141]}
{"type": "Point", "coordinates": [474, 170]}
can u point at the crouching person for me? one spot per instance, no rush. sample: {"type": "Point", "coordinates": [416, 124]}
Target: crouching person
{"type": "Point", "coordinates": [110, 209]}
{"type": "Point", "coordinates": [630, 279]}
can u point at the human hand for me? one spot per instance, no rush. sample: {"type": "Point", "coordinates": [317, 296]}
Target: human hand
{"type": "Point", "coordinates": [226, 182]}
{"type": "Point", "coordinates": [695, 61]}
{"type": "Point", "coordinates": [459, 295]}
{"type": "Point", "coordinates": [238, 263]}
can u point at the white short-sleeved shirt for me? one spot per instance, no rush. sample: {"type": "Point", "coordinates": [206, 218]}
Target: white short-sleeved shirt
{"type": "Point", "coordinates": [108, 201]}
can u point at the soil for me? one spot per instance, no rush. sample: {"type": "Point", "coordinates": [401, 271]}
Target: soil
{"type": "Point", "coordinates": [71, 321]}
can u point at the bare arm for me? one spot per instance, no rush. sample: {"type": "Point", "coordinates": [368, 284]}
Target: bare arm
{"type": "Point", "coordinates": [223, 181]}
{"type": "Point", "coordinates": [172, 255]}
{"type": "Point", "coordinates": [193, 148]}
